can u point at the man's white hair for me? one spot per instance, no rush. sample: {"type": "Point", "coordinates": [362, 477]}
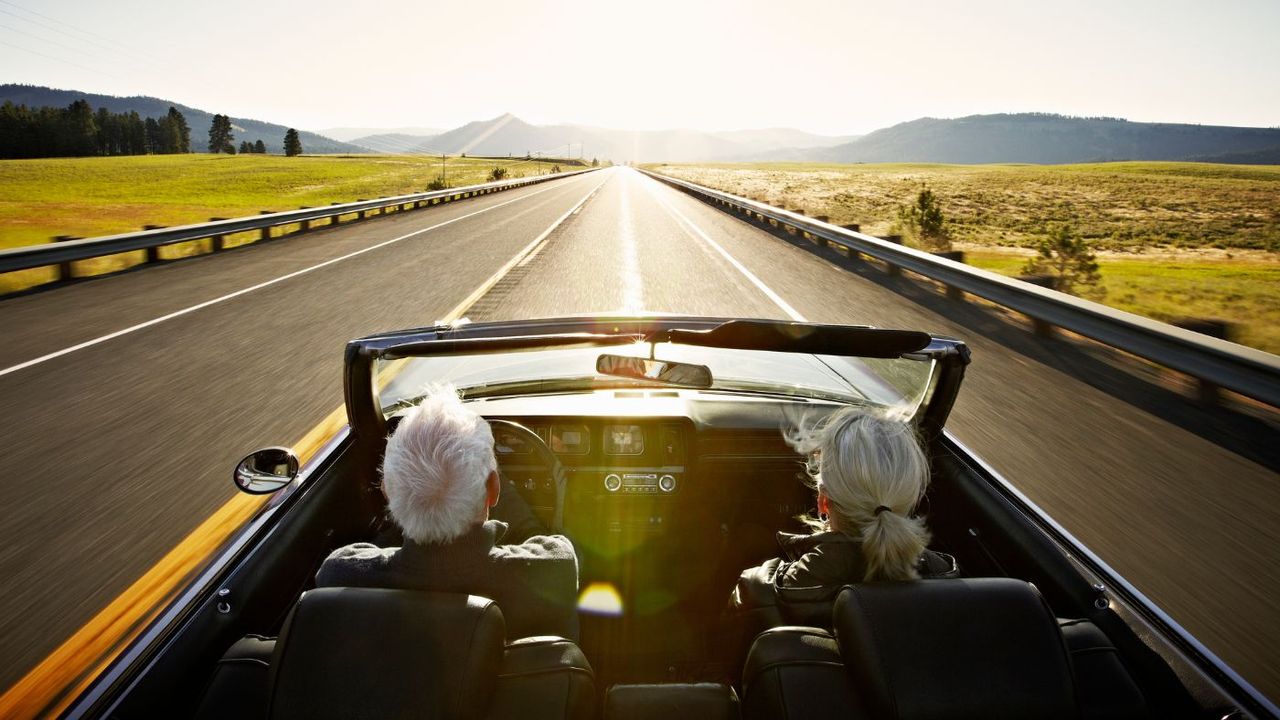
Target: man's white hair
{"type": "Point", "coordinates": [435, 468]}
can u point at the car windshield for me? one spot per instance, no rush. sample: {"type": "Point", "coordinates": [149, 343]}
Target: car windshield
{"type": "Point", "coordinates": [899, 382]}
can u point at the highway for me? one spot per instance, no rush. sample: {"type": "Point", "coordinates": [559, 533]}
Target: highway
{"type": "Point", "coordinates": [125, 401]}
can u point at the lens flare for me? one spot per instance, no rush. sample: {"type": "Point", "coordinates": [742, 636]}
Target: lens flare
{"type": "Point", "coordinates": [600, 598]}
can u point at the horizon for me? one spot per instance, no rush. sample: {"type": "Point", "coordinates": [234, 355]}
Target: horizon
{"type": "Point", "coordinates": [866, 67]}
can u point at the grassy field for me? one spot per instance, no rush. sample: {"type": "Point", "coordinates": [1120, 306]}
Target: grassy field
{"type": "Point", "coordinates": [89, 197]}
{"type": "Point", "coordinates": [1175, 239]}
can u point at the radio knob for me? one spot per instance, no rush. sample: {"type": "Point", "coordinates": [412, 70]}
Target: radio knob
{"type": "Point", "coordinates": [612, 482]}
{"type": "Point", "coordinates": [667, 483]}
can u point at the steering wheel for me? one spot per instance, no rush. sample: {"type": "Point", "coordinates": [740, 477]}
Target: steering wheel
{"type": "Point", "coordinates": [549, 459]}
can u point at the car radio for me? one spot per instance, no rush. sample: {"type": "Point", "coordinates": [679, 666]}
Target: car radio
{"type": "Point", "coordinates": [640, 482]}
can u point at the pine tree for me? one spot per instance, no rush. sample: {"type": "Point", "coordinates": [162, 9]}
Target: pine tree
{"type": "Point", "coordinates": [80, 132]}
{"type": "Point", "coordinates": [925, 223]}
{"type": "Point", "coordinates": [292, 143]}
{"type": "Point", "coordinates": [220, 137]}
{"type": "Point", "coordinates": [245, 147]}
{"type": "Point", "coordinates": [182, 131]}
{"type": "Point", "coordinates": [1070, 261]}
{"type": "Point", "coordinates": [260, 147]}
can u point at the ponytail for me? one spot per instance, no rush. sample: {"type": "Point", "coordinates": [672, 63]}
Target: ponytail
{"type": "Point", "coordinates": [891, 544]}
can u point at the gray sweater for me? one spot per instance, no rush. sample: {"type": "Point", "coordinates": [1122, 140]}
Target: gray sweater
{"type": "Point", "coordinates": [535, 583]}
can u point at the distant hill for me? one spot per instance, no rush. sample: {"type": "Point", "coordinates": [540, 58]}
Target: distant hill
{"type": "Point", "coordinates": [1045, 139]}
{"type": "Point", "coordinates": [509, 135]}
{"type": "Point", "coordinates": [349, 134]}
{"type": "Point", "coordinates": [270, 134]}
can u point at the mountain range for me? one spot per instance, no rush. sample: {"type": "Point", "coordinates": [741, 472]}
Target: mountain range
{"type": "Point", "coordinates": [998, 138]}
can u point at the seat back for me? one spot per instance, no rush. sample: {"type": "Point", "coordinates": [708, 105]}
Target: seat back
{"type": "Point", "coordinates": [376, 653]}
{"type": "Point", "coordinates": [985, 647]}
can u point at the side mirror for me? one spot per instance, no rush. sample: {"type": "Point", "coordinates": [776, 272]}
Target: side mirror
{"type": "Point", "coordinates": [267, 470]}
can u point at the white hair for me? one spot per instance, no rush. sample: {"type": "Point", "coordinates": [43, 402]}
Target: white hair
{"type": "Point", "coordinates": [873, 470]}
{"type": "Point", "coordinates": [435, 468]}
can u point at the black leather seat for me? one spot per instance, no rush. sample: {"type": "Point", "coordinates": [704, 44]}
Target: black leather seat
{"type": "Point", "coordinates": [965, 652]}
{"type": "Point", "coordinates": [362, 652]}
{"type": "Point", "coordinates": [797, 672]}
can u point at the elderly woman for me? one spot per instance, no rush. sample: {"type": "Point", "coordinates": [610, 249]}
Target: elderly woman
{"type": "Point", "coordinates": [870, 471]}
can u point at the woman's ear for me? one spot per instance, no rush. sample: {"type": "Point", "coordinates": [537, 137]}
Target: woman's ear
{"type": "Point", "coordinates": [493, 488]}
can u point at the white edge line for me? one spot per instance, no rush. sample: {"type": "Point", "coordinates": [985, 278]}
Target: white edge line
{"type": "Point", "coordinates": [520, 258]}
{"type": "Point", "coordinates": [259, 286]}
{"type": "Point", "coordinates": [775, 297]}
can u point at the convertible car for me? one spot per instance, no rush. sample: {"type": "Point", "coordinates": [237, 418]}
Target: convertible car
{"type": "Point", "coordinates": [655, 444]}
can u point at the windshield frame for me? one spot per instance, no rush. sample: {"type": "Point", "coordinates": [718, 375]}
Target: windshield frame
{"type": "Point", "coordinates": [368, 422]}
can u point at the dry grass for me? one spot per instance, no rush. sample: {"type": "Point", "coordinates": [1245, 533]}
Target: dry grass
{"type": "Point", "coordinates": [1177, 239]}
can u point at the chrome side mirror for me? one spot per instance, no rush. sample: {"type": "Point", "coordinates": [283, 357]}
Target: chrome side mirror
{"type": "Point", "coordinates": [267, 470]}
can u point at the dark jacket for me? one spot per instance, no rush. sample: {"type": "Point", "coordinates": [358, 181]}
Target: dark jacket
{"type": "Point", "coordinates": [535, 583]}
{"type": "Point", "coordinates": [800, 587]}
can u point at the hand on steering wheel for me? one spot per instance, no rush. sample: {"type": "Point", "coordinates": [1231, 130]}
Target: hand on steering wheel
{"type": "Point", "coordinates": [559, 478]}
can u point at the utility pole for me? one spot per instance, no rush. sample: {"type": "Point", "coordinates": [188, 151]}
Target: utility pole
{"type": "Point", "coordinates": [444, 171]}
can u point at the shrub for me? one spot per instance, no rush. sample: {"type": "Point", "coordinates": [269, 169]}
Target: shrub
{"type": "Point", "coordinates": [437, 184]}
{"type": "Point", "coordinates": [555, 169]}
{"type": "Point", "coordinates": [498, 173]}
{"type": "Point", "coordinates": [1070, 260]}
{"type": "Point", "coordinates": [924, 223]}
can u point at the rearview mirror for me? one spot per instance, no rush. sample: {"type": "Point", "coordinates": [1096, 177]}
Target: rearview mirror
{"type": "Point", "coordinates": [664, 371]}
{"type": "Point", "coordinates": [266, 471]}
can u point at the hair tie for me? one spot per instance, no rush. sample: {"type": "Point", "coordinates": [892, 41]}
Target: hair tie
{"type": "Point", "coordinates": [883, 508]}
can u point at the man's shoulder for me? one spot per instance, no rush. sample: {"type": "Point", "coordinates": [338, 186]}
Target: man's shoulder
{"type": "Point", "coordinates": [352, 562]}
{"type": "Point", "coordinates": [539, 547]}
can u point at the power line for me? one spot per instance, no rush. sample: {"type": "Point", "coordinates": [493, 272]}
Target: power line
{"type": "Point", "coordinates": [44, 40]}
{"type": "Point", "coordinates": [58, 59]}
{"type": "Point", "coordinates": [88, 36]}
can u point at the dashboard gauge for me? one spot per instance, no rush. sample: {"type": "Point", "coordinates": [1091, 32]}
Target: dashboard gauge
{"type": "Point", "coordinates": [571, 439]}
{"type": "Point", "coordinates": [623, 439]}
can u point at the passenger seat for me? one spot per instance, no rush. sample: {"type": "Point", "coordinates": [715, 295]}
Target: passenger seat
{"type": "Point", "coordinates": [363, 652]}
{"type": "Point", "coordinates": [953, 648]}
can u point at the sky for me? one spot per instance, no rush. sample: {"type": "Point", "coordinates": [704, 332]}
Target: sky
{"type": "Point", "coordinates": [818, 65]}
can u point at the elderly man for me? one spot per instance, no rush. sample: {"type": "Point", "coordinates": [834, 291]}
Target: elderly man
{"type": "Point", "coordinates": [440, 478]}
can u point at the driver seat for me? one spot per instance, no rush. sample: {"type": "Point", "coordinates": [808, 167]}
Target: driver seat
{"type": "Point", "coordinates": [379, 653]}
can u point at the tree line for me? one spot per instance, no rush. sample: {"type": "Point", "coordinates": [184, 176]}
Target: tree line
{"type": "Point", "coordinates": [76, 131]}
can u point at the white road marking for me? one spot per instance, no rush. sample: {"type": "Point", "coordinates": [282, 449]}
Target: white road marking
{"type": "Point", "coordinates": [775, 297]}
{"type": "Point", "coordinates": [632, 284]}
{"type": "Point", "coordinates": [520, 258]}
{"type": "Point", "coordinates": [259, 286]}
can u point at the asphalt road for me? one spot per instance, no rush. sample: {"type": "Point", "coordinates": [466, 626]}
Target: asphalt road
{"type": "Point", "coordinates": [113, 452]}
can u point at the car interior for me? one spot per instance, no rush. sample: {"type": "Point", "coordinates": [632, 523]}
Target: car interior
{"type": "Point", "coordinates": [669, 495]}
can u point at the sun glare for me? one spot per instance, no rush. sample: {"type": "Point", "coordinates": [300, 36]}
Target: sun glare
{"type": "Point", "coordinates": [600, 598]}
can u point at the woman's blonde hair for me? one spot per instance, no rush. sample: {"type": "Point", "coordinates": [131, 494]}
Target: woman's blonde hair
{"type": "Point", "coordinates": [872, 468]}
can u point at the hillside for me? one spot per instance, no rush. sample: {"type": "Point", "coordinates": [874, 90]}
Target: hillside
{"type": "Point", "coordinates": [199, 120]}
{"type": "Point", "coordinates": [1045, 139]}
{"type": "Point", "coordinates": [509, 135]}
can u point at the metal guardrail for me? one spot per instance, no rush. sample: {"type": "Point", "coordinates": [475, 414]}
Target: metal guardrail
{"type": "Point", "coordinates": [1215, 363]}
{"type": "Point", "coordinates": [63, 253]}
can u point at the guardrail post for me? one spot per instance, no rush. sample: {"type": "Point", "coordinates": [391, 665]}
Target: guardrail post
{"type": "Point", "coordinates": [894, 270]}
{"type": "Point", "coordinates": [265, 233]}
{"type": "Point", "coordinates": [305, 224]}
{"type": "Point", "coordinates": [1208, 392]}
{"type": "Point", "coordinates": [217, 242]}
{"type": "Point", "coordinates": [334, 220]}
{"type": "Point", "coordinates": [153, 252]}
{"type": "Point", "coordinates": [64, 268]}
{"type": "Point", "coordinates": [1041, 327]}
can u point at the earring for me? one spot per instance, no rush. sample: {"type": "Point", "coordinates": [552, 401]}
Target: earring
{"type": "Point", "coordinates": [822, 516]}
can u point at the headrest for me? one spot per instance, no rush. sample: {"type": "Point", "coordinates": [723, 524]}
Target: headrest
{"type": "Point", "coordinates": [365, 652]}
{"type": "Point", "coordinates": [986, 647]}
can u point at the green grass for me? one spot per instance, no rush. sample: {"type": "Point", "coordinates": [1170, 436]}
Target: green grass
{"type": "Point", "coordinates": [1179, 239]}
{"type": "Point", "coordinates": [1241, 292]}
{"type": "Point", "coordinates": [90, 197]}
